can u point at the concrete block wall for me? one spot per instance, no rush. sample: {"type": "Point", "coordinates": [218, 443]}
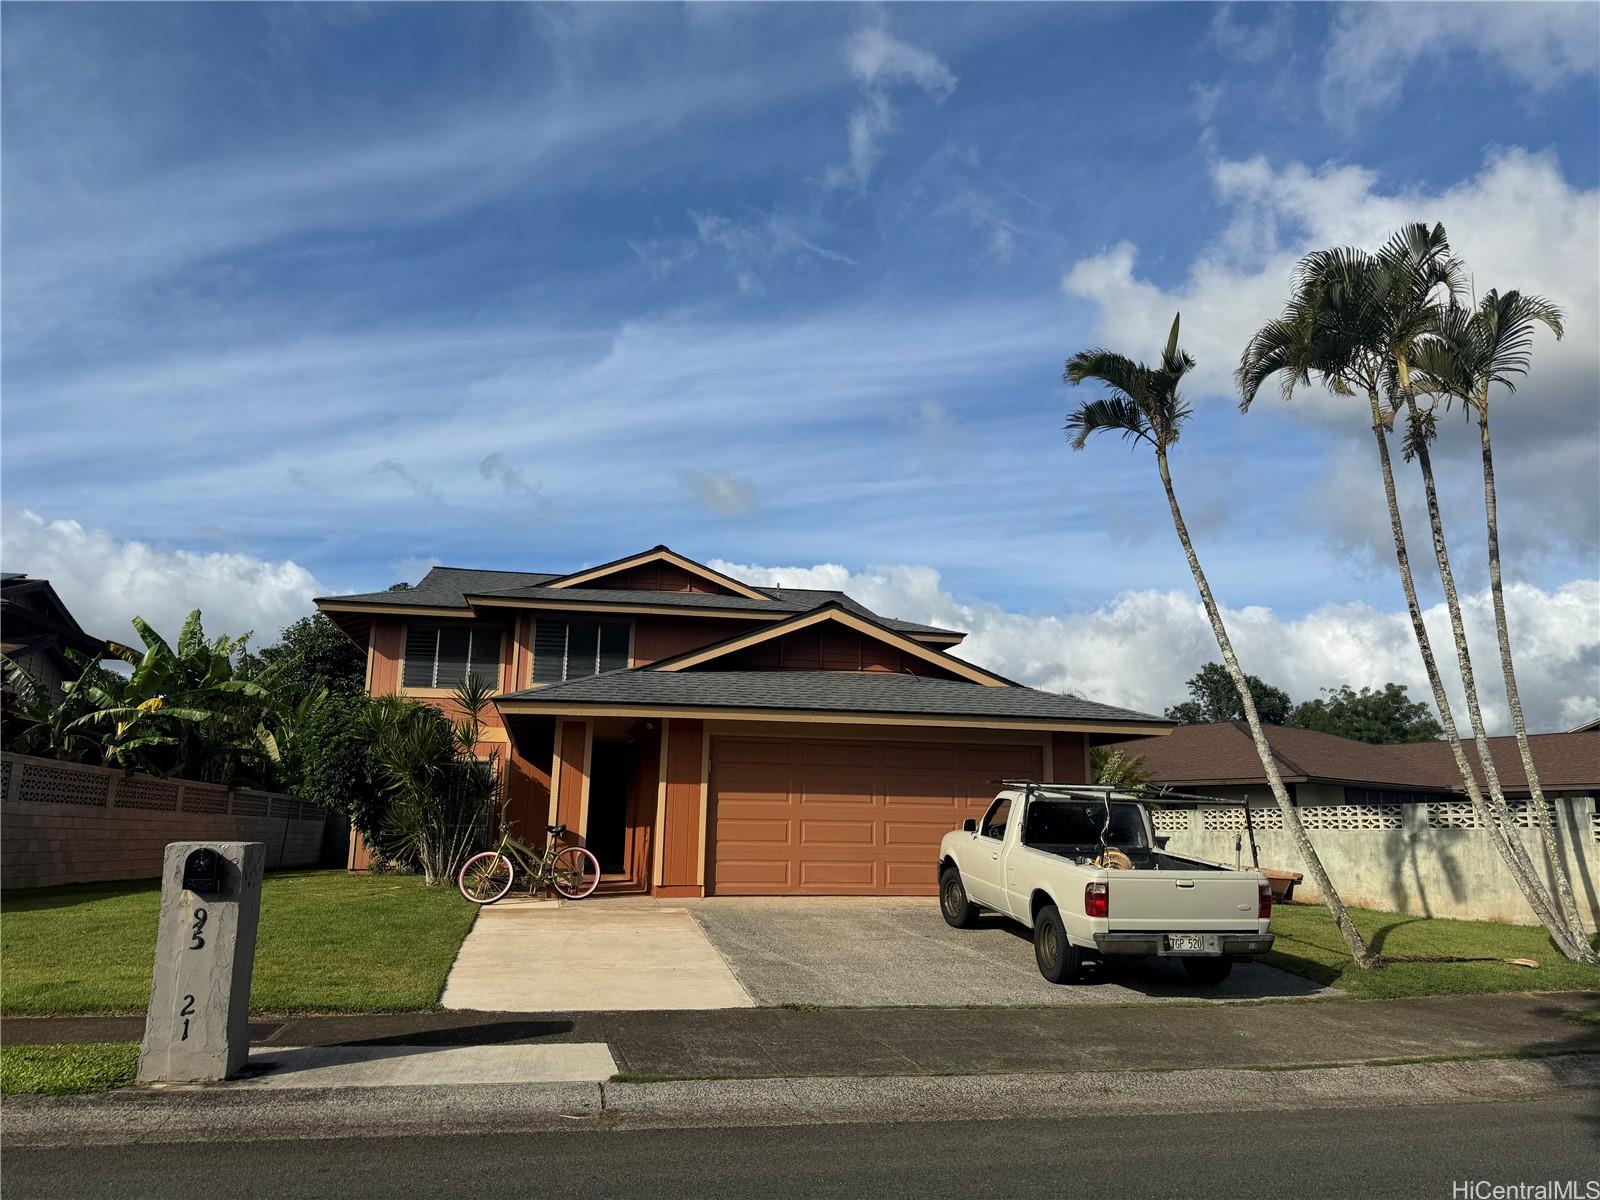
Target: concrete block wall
{"type": "Point", "coordinates": [71, 823]}
{"type": "Point", "coordinates": [1427, 859]}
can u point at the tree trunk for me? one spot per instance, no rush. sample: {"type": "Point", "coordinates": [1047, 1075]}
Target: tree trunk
{"type": "Point", "coordinates": [1291, 815]}
{"type": "Point", "coordinates": [1501, 837]}
{"type": "Point", "coordinates": [1541, 807]}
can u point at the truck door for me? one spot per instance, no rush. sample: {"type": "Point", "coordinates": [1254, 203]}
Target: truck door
{"type": "Point", "coordinates": [984, 880]}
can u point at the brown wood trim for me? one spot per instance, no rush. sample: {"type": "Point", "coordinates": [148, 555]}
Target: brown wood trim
{"type": "Point", "coordinates": [677, 891]}
{"type": "Point", "coordinates": [404, 610]}
{"type": "Point", "coordinates": [659, 554]}
{"type": "Point", "coordinates": [659, 839]}
{"type": "Point", "coordinates": [812, 717]}
{"type": "Point", "coordinates": [839, 616]}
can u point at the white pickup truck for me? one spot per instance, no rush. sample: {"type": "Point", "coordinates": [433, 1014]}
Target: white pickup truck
{"type": "Point", "coordinates": [1043, 854]}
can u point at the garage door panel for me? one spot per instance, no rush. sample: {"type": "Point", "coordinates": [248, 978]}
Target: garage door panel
{"type": "Point", "coordinates": [829, 873]}
{"type": "Point", "coordinates": [837, 833]}
{"type": "Point", "coordinates": [836, 754]}
{"type": "Point", "coordinates": [921, 835]}
{"type": "Point", "coordinates": [829, 817]}
{"type": "Point", "coordinates": [746, 831]}
{"type": "Point", "coordinates": [933, 757]}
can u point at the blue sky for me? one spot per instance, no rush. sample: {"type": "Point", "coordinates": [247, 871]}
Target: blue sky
{"type": "Point", "coordinates": [348, 289]}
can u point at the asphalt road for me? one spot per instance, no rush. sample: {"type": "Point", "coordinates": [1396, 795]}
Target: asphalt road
{"type": "Point", "coordinates": [1411, 1153]}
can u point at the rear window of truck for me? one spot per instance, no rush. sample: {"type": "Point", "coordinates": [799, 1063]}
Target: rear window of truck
{"type": "Point", "coordinates": [1060, 824]}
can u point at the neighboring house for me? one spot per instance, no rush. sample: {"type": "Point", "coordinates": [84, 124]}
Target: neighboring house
{"type": "Point", "coordinates": [702, 736]}
{"type": "Point", "coordinates": [36, 631]}
{"type": "Point", "coordinates": [1220, 759]}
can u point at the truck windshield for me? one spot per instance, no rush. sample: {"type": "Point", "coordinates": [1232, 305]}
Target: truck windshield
{"type": "Point", "coordinates": [1059, 824]}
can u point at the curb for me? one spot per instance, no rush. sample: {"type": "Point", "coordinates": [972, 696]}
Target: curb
{"type": "Point", "coordinates": [220, 1114]}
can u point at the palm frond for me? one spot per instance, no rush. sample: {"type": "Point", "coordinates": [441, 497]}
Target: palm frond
{"type": "Point", "coordinates": [1110, 414]}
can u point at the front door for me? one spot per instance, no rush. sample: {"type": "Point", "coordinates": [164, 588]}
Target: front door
{"type": "Point", "coordinates": [607, 836]}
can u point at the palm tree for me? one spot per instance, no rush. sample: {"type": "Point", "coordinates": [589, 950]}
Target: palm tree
{"type": "Point", "coordinates": [1144, 404]}
{"type": "Point", "coordinates": [1353, 321]}
{"type": "Point", "coordinates": [1474, 350]}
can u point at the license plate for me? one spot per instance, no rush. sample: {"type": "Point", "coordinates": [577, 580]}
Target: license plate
{"type": "Point", "coordinates": [1186, 941]}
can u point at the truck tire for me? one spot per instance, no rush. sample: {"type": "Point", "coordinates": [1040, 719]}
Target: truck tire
{"type": "Point", "coordinates": [958, 911]}
{"type": "Point", "coordinates": [1208, 972]}
{"type": "Point", "coordinates": [1058, 958]}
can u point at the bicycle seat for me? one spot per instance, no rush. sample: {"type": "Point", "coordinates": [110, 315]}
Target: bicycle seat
{"type": "Point", "coordinates": [558, 830]}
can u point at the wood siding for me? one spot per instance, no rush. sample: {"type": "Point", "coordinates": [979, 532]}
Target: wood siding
{"type": "Point", "coordinates": [660, 577]}
{"type": "Point", "coordinates": [826, 647]}
{"type": "Point", "coordinates": [655, 638]}
{"type": "Point", "coordinates": [572, 774]}
{"type": "Point", "coordinates": [682, 796]}
{"type": "Point", "coordinates": [1069, 758]}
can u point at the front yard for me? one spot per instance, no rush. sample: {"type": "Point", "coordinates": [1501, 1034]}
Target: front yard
{"type": "Point", "coordinates": [1309, 945]}
{"type": "Point", "coordinates": [329, 942]}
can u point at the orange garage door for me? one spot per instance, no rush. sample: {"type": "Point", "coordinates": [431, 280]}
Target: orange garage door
{"type": "Point", "coordinates": [793, 816]}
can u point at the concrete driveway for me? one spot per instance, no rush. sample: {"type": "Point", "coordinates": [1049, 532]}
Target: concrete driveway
{"type": "Point", "coordinates": [839, 951]}
{"type": "Point", "coordinates": [591, 956]}
{"type": "Point", "coordinates": [622, 953]}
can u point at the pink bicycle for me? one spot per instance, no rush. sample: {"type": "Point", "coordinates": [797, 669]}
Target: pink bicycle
{"type": "Point", "coordinates": [572, 871]}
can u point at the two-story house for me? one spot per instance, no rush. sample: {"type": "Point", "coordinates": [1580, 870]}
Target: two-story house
{"type": "Point", "coordinates": [704, 736]}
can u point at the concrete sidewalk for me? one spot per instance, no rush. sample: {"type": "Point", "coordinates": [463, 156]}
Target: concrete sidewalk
{"type": "Point", "coordinates": [764, 1042]}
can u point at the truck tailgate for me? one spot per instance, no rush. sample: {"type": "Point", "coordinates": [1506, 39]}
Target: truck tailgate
{"type": "Point", "coordinates": [1182, 900]}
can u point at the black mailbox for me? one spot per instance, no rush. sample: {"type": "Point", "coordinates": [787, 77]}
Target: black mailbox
{"type": "Point", "coordinates": [204, 872]}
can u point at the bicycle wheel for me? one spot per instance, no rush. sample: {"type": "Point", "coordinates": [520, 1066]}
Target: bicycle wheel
{"type": "Point", "coordinates": [575, 873]}
{"type": "Point", "coordinates": [485, 877]}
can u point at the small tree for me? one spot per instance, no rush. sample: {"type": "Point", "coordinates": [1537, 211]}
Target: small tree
{"type": "Point", "coordinates": [1381, 716]}
{"type": "Point", "coordinates": [1212, 697]}
{"type": "Point", "coordinates": [439, 794]}
{"type": "Point", "coordinates": [1112, 768]}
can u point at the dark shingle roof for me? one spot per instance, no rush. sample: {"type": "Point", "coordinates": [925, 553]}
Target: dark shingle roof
{"type": "Point", "coordinates": [1223, 753]}
{"type": "Point", "coordinates": [448, 587]}
{"type": "Point", "coordinates": [792, 601]}
{"type": "Point", "coordinates": [827, 691]}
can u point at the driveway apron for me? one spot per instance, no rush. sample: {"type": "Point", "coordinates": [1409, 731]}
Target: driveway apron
{"type": "Point", "coordinates": [595, 957]}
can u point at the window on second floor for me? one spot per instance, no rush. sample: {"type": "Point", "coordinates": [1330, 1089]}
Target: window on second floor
{"type": "Point", "coordinates": [443, 656]}
{"type": "Point", "coordinates": [564, 649]}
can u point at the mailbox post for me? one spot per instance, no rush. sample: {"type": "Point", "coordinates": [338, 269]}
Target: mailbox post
{"type": "Point", "coordinates": [197, 1028]}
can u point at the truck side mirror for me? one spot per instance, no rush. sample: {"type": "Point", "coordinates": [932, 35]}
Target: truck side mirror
{"type": "Point", "coordinates": [969, 826]}
{"type": "Point", "coordinates": [1162, 840]}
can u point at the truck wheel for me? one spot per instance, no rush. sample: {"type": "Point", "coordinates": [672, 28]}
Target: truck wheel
{"type": "Point", "coordinates": [1207, 972]}
{"type": "Point", "coordinates": [953, 903]}
{"type": "Point", "coordinates": [1058, 958]}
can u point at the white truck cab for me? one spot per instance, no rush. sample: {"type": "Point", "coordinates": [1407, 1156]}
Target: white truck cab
{"type": "Point", "coordinates": [1082, 868]}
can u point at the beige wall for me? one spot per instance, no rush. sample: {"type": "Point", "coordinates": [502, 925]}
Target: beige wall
{"type": "Point", "coordinates": [68, 823]}
{"type": "Point", "coordinates": [1424, 859]}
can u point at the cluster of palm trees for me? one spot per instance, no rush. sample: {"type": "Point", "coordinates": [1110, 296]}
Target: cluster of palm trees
{"type": "Point", "coordinates": [1394, 326]}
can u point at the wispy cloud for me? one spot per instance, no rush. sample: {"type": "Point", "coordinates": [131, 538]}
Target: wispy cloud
{"type": "Point", "coordinates": [496, 468]}
{"type": "Point", "coordinates": [721, 491]}
{"type": "Point", "coordinates": [1374, 48]}
{"type": "Point", "coordinates": [410, 478]}
{"type": "Point", "coordinates": [879, 62]}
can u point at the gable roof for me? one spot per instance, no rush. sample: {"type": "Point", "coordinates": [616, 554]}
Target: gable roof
{"type": "Point", "coordinates": [444, 589]}
{"type": "Point", "coordinates": [657, 554]}
{"type": "Point", "coordinates": [1223, 754]}
{"type": "Point", "coordinates": [769, 694]}
{"type": "Point", "coordinates": [832, 613]}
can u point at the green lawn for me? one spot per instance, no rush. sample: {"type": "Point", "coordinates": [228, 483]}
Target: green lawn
{"type": "Point", "coordinates": [67, 1070]}
{"type": "Point", "coordinates": [1308, 944]}
{"type": "Point", "coordinates": [329, 942]}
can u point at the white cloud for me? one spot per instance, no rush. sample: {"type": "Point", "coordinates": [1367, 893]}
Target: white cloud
{"type": "Point", "coordinates": [105, 581]}
{"type": "Point", "coordinates": [731, 495]}
{"type": "Point", "coordinates": [1375, 48]}
{"type": "Point", "coordinates": [1138, 650]}
{"type": "Point", "coordinates": [879, 61]}
{"type": "Point", "coordinates": [1252, 40]}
